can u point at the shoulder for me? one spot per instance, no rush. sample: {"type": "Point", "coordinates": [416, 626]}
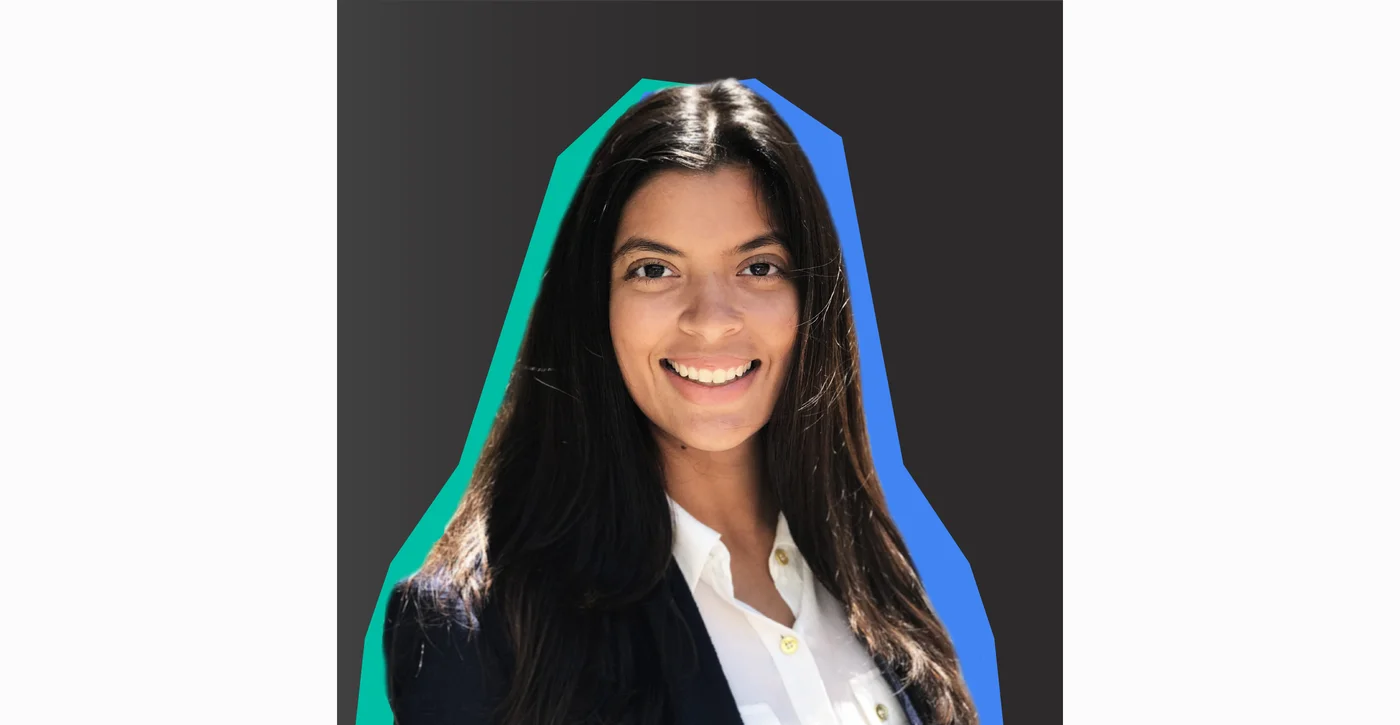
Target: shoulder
{"type": "Point", "coordinates": [425, 604]}
{"type": "Point", "coordinates": [442, 661]}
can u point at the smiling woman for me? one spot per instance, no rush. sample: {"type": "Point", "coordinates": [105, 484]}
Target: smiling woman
{"type": "Point", "coordinates": [675, 518]}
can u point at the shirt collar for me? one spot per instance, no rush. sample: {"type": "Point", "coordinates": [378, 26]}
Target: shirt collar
{"type": "Point", "coordinates": [694, 542]}
{"type": "Point", "coordinates": [783, 537]}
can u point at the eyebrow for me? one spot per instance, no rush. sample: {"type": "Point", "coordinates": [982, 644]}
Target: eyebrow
{"type": "Point", "coordinates": [642, 244]}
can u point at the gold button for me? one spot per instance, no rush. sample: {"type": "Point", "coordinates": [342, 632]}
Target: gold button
{"type": "Point", "coordinates": [882, 712]}
{"type": "Point", "coordinates": [789, 644]}
{"type": "Point", "coordinates": [781, 556]}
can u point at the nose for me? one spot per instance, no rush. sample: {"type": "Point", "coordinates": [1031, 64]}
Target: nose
{"type": "Point", "coordinates": [711, 312]}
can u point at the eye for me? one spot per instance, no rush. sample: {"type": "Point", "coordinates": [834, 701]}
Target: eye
{"type": "Point", "coordinates": [762, 269]}
{"type": "Point", "coordinates": [650, 270]}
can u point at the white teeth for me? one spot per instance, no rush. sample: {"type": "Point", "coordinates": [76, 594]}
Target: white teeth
{"type": "Point", "coordinates": [710, 376]}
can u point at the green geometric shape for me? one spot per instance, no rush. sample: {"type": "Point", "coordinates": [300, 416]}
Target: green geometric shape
{"type": "Point", "coordinates": [569, 166]}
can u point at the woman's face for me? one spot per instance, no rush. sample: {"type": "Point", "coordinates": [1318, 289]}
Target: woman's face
{"type": "Point", "coordinates": [703, 312]}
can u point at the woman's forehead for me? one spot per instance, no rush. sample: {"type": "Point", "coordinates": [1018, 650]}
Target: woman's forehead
{"type": "Point", "coordinates": [696, 209]}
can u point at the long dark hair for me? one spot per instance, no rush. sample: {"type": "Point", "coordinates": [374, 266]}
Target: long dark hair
{"type": "Point", "coordinates": [565, 526]}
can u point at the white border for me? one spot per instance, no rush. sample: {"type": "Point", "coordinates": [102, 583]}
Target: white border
{"type": "Point", "coordinates": [167, 321]}
{"type": "Point", "coordinates": [1232, 362]}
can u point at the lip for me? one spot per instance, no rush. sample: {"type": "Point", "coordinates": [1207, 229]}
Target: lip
{"type": "Point", "coordinates": [708, 394]}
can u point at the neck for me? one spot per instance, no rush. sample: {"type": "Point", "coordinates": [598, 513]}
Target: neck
{"type": "Point", "coordinates": [722, 489]}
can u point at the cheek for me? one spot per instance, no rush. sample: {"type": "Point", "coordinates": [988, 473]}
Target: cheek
{"type": "Point", "coordinates": [636, 330]}
{"type": "Point", "coordinates": [776, 320]}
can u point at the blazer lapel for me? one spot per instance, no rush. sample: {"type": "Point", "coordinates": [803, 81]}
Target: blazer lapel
{"type": "Point", "coordinates": [699, 691]}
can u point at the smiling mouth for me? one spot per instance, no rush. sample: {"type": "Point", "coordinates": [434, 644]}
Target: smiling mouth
{"type": "Point", "coordinates": [712, 378]}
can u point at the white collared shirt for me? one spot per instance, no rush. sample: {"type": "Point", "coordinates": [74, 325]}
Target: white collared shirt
{"type": "Point", "coordinates": [814, 673]}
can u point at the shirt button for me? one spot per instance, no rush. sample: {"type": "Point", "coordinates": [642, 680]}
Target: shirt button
{"type": "Point", "coordinates": [788, 644]}
{"type": "Point", "coordinates": [882, 712]}
{"type": "Point", "coordinates": [781, 556]}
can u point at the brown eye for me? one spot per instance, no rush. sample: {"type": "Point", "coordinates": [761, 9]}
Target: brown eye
{"type": "Point", "coordinates": [650, 271]}
{"type": "Point", "coordinates": [761, 269]}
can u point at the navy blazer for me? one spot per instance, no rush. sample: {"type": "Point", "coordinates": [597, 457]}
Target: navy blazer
{"type": "Point", "coordinates": [437, 676]}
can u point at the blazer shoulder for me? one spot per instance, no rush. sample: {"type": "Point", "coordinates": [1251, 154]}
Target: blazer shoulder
{"type": "Point", "coordinates": [441, 660]}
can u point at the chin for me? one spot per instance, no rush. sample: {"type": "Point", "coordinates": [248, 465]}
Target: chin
{"type": "Point", "coordinates": [714, 439]}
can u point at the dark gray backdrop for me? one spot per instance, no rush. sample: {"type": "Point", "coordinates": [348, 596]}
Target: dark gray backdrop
{"type": "Point", "coordinates": [451, 115]}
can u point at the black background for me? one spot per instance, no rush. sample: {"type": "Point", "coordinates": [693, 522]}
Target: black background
{"type": "Point", "coordinates": [451, 116]}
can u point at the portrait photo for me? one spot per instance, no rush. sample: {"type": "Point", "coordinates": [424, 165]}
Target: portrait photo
{"type": "Point", "coordinates": [700, 362]}
{"type": "Point", "coordinates": [707, 371]}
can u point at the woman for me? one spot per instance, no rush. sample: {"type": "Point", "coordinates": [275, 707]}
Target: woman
{"type": "Point", "coordinates": [676, 518]}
